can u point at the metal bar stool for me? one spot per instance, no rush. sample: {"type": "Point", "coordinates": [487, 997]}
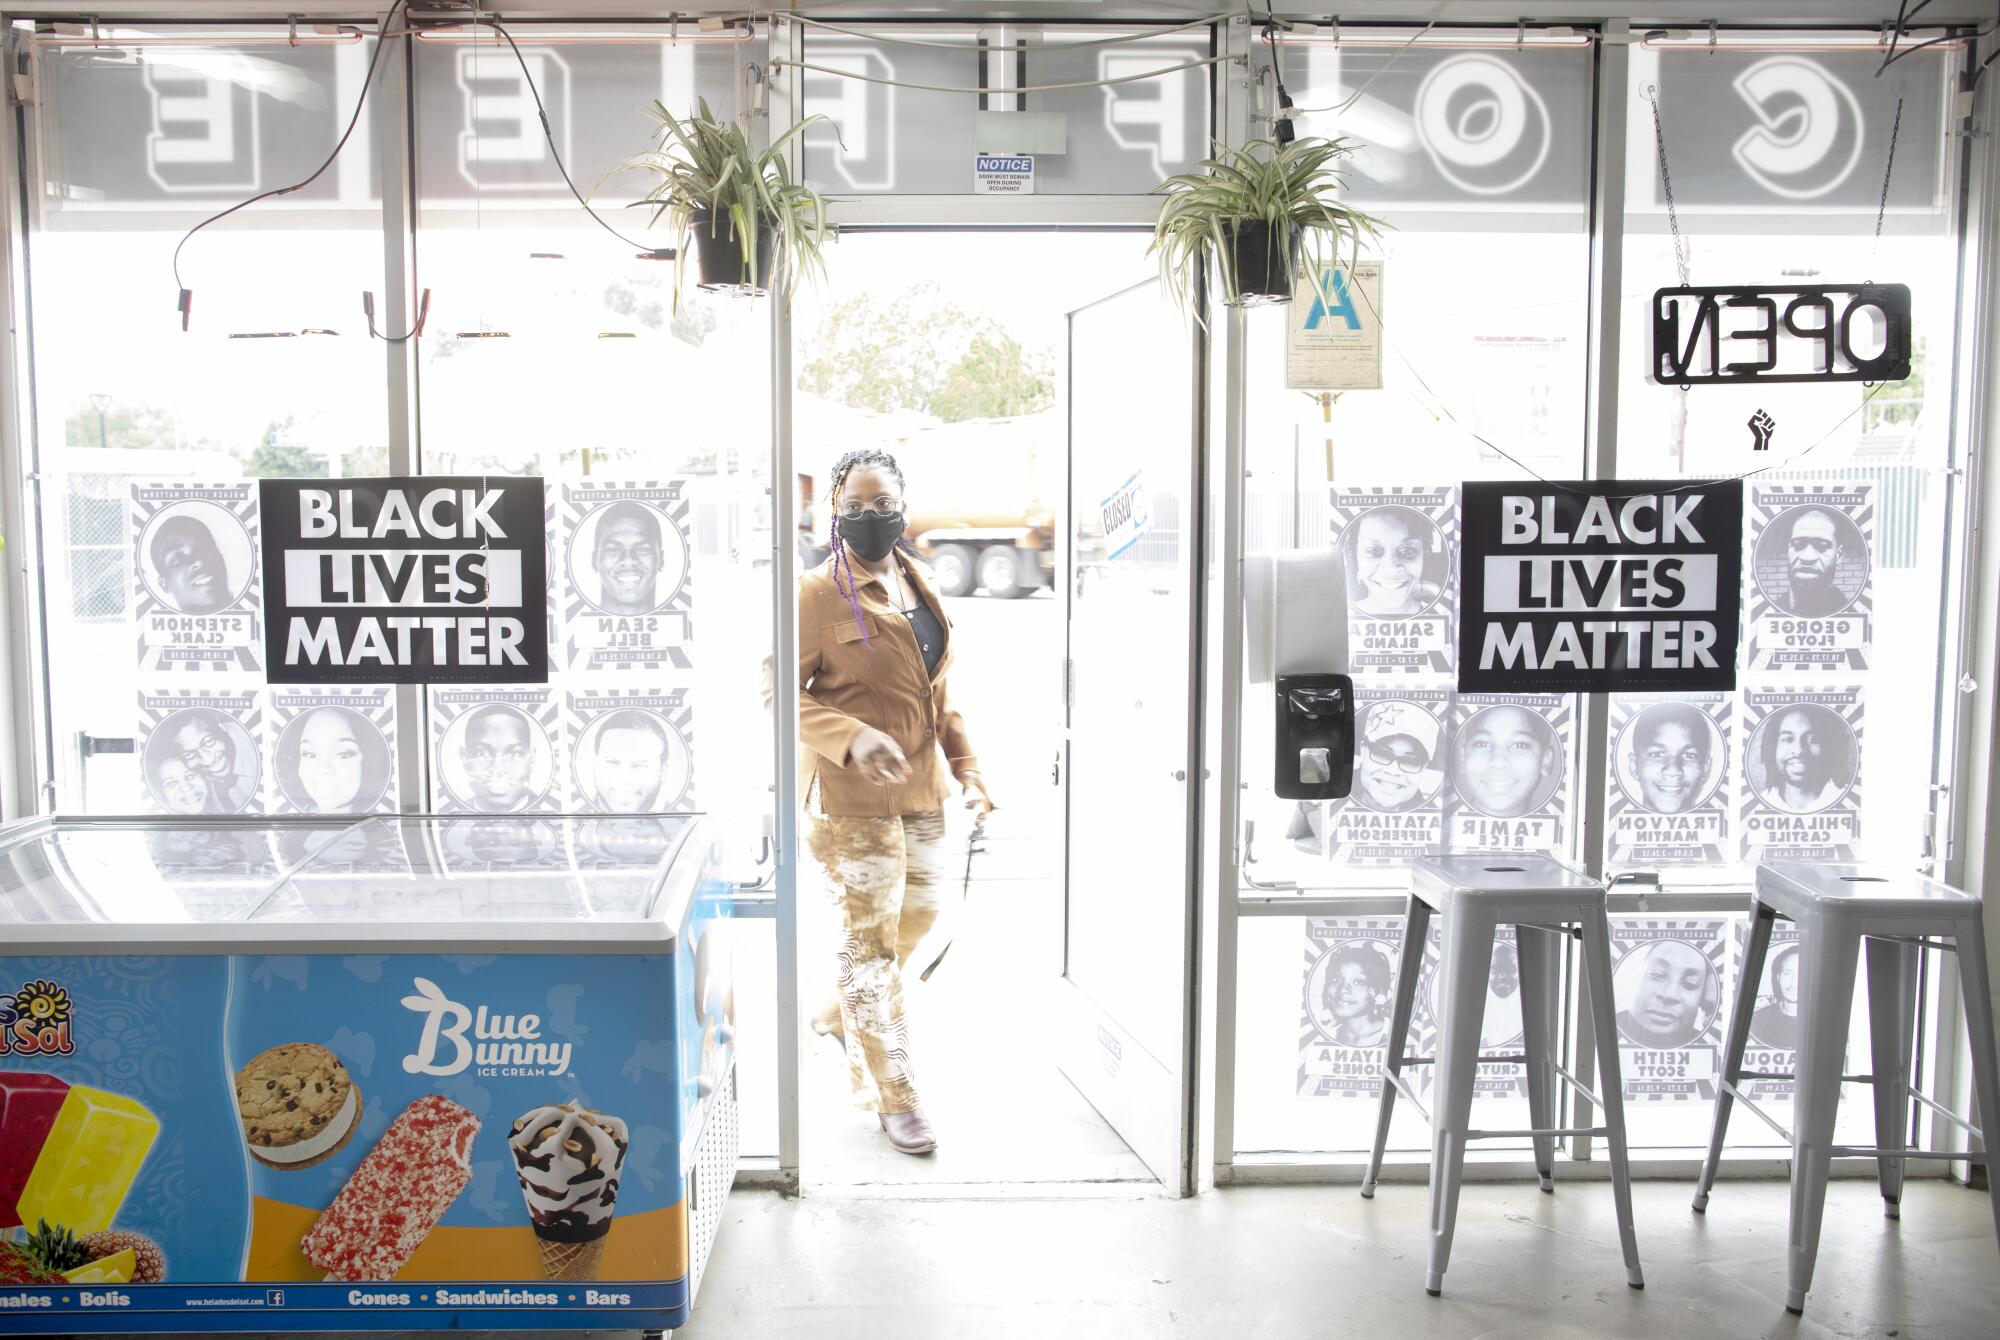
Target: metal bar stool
{"type": "Point", "coordinates": [1543, 899]}
{"type": "Point", "coordinates": [1836, 908]}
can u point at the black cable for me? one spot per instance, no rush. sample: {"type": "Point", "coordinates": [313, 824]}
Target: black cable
{"type": "Point", "coordinates": [186, 294]}
{"type": "Point", "coordinates": [1282, 131]}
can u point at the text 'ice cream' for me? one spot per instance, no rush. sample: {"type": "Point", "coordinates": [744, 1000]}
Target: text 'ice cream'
{"type": "Point", "coordinates": [569, 1159]}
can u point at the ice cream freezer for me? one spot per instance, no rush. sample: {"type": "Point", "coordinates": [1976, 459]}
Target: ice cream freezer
{"type": "Point", "coordinates": [406, 1072]}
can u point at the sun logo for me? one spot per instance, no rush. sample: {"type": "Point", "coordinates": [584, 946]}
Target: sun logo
{"type": "Point", "coordinates": [36, 1021]}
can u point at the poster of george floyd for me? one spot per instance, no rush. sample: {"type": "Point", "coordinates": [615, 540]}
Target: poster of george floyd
{"type": "Point", "coordinates": [1509, 775]}
{"type": "Point", "coordinates": [1801, 795]}
{"type": "Point", "coordinates": [1399, 551]}
{"type": "Point", "coordinates": [198, 602]}
{"type": "Point", "coordinates": [1669, 790]}
{"type": "Point", "coordinates": [1666, 982]}
{"type": "Point", "coordinates": [1811, 600]}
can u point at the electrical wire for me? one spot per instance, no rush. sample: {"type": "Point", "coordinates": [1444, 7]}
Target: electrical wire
{"type": "Point", "coordinates": [1035, 50]}
{"type": "Point", "coordinates": [1029, 88]}
{"type": "Point", "coordinates": [1387, 65]}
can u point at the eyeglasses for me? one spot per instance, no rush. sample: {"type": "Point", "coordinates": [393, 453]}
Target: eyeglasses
{"type": "Point", "coordinates": [884, 506]}
{"type": "Point", "coordinates": [1384, 756]}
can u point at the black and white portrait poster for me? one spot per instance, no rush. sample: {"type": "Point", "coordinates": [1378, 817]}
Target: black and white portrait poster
{"type": "Point", "coordinates": [1801, 773]}
{"type": "Point", "coordinates": [497, 843]}
{"type": "Point", "coordinates": [1500, 1027]}
{"type": "Point", "coordinates": [1396, 809]}
{"type": "Point", "coordinates": [333, 750]}
{"type": "Point", "coordinates": [377, 848]}
{"type": "Point", "coordinates": [198, 600]}
{"type": "Point", "coordinates": [494, 751]}
{"type": "Point", "coordinates": [198, 751]}
{"type": "Point", "coordinates": [1774, 1020]}
{"type": "Point", "coordinates": [1350, 984]}
{"type": "Point", "coordinates": [1666, 980]}
{"type": "Point", "coordinates": [1398, 548]}
{"type": "Point", "coordinates": [1669, 778]}
{"type": "Point", "coordinates": [627, 603]}
{"type": "Point", "coordinates": [405, 580]}
{"type": "Point", "coordinates": [207, 854]}
{"type": "Point", "coordinates": [624, 842]}
{"type": "Point", "coordinates": [1509, 775]}
{"type": "Point", "coordinates": [631, 751]}
{"type": "Point", "coordinates": [1812, 557]}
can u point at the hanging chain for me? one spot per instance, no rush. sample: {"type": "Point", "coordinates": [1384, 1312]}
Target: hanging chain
{"type": "Point", "coordinates": [1888, 170]}
{"type": "Point", "coordinates": [1667, 184]}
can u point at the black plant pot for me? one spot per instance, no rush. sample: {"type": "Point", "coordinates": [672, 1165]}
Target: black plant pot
{"type": "Point", "coordinates": [1260, 262]}
{"type": "Point", "coordinates": [719, 255]}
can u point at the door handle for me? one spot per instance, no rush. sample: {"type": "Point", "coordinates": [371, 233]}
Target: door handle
{"type": "Point", "coordinates": [1180, 774]}
{"type": "Point", "coordinates": [1055, 770]}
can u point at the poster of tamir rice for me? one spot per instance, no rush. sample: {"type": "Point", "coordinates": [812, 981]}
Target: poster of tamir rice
{"type": "Point", "coordinates": [1666, 980]}
{"type": "Point", "coordinates": [627, 602]}
{"type": "Point", "coordinates": [198, 751]}
{"type": "Point", "coordinates": [1396, 809]}
{"type": "Point", "coordinates": [1669, 778]}
{"type": "Point", "coordinates": [431, 579]}
{"type": "Point", "coordinates": [1801, 773]}
{"type": "Point", "coordinates": [1774, 1019]}
{"type": "Point", "coordinates": [1399, 551]}
{"type": "Point", "coordinates": [333, 751]}
{"type": "Point", "coordinates": [1811, 562]}
{"type": "Point", "coordinates": [494, 751]}
{"type": "Point", "coordinates": [631, 752]}
{"type": "Point", "coordinates": [1350, 981]}
{"type": "Point", "coordinates": [1509, 772]}
{"type": "Point", "coordinates": [194, 553]}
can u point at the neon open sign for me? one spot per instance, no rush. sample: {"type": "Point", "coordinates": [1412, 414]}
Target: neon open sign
{"type": "Point", "coordinates": [1812, 333]}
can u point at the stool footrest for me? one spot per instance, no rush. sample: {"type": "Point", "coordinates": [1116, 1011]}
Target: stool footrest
{"type": "Point", "coordinates": [1921, 941]}
{"type": "Point", "coordinates": [1420, 1060]}
{"type": "Point", "coordinates": [1403, 1087]}
{"type": "Point", "coordinates": [1875, 1152]}
{"type": "Point", "coordinates": [1529, 1131]}
{"type": "Point", "coordinates": [1730, 1088]}
{"type": "Point", "coordinates": [1947, 1114]}
{"type": "Point", "coordinates": [1765, 1074]}
{"type": "Point", "coordinates": [1580, 1087]}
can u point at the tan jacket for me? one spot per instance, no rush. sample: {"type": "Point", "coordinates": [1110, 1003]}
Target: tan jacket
{"type": "Point", "coordinates": [845, 684]}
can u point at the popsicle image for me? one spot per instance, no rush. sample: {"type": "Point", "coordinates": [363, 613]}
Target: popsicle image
{"type": "Point", "coordinates": [93, 1153]}
{"type": "Point", "coordinates": [398, 1193]}
{"type": "Point", "coordinates": [569, 1159]}
{"type": "Point", "coordinates": [29, 1102]}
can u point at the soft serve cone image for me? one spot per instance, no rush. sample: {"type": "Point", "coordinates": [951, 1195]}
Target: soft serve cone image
{"type": "Point", "coordinates": [569, 1158]}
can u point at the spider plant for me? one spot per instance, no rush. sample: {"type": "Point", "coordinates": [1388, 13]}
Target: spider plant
{"type": "Point", "coordinates": [731, 198]}
{"type": "Point", "coordinates": [1266, 211]}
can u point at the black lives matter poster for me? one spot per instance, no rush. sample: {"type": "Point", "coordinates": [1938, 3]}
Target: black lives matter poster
{"type": "Point", "coordinates": [441, 579]}
{"type": "Point", "coordinates": [1597, 586]}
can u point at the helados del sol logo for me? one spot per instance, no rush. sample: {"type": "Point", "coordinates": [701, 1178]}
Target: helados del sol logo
{"type": "Point", "coordinates": [35, 1021]}
{"type": "Point", "coordinates": [500, 1044]}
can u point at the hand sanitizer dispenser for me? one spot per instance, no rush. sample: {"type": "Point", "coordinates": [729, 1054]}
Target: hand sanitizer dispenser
{"type": "Point", "coordinates": [1298, 608]}
{"type": "Point", "coordinates": [1315, 736]}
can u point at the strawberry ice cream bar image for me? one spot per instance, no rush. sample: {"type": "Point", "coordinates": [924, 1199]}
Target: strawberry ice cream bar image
{"type": "Point", "coordinates": [397, 1195]}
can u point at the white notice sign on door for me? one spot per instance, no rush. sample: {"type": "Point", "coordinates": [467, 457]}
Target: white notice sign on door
{"type": "Point", "coordinates": [1003, 174]}
{"type": "Point", "coordinates": [1334, 342]}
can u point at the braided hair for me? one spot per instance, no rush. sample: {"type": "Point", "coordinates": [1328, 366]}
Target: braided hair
{"type": "Point", "coordinates": [867, 458]}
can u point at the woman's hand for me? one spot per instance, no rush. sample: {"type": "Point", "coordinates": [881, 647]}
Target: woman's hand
{"type": "Point", "coordinates": [878, 758]}
{"type": "Point", "coordinates": [983, 802]}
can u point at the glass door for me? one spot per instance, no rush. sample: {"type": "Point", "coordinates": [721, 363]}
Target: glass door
{"type": "Point", "coordinates": [1129, 917]}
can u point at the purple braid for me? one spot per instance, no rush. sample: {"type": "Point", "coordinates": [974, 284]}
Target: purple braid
{"type": "Point", "coordinates": [840, 565]}
{"type": "Point", "coordinates": [878, 459]}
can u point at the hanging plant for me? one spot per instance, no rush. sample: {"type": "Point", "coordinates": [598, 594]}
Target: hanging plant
{"type": "Point", "coordinates": [748, 219]}
{"type": "Point", "coordinates": [1266, 213]}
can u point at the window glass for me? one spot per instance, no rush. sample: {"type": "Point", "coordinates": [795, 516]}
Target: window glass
{"type": "Point", "coordinates": [1123, 139]}
{"type": "Point", "coordinates": [147, 439]}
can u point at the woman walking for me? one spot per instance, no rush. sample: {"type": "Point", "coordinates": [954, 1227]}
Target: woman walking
{"type": "Point", "coordinates": [874, 646]}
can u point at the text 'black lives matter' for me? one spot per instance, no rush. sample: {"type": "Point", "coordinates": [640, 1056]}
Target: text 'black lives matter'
{"type": "Point", "coordinates": [441, 579]}
{"type": "Point", "coordinates": [1600, 585]}
{"type": "Point", "coordinates": [1813, 333]}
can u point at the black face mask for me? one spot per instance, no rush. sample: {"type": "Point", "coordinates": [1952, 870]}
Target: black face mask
{"type": "Point", "coordinates": [872, 535]}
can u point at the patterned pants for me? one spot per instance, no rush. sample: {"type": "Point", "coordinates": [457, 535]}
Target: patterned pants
{"type": "Point", "coordinates": [887, 876]}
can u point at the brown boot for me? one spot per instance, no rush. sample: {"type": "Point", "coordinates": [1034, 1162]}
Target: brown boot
{"type": "Point", "coordinates": [910, 1132]}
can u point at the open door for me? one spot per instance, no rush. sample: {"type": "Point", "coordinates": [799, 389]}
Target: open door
{"type": "Point", "coordinates": [1132, 728]}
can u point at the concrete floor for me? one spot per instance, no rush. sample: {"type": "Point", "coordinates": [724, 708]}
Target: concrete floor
{"type": "Point", "coordinates": [1320, 1261]}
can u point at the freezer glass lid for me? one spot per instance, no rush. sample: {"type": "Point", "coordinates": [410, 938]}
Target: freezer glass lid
{"type": "Point", "coordinates": [390, 869]}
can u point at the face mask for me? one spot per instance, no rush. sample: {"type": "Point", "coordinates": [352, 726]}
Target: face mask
{"type": "Point", "coordinates": [871, 535]}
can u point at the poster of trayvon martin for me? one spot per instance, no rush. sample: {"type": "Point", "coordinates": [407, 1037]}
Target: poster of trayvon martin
{"type": "Point", "coordinates": [1350, 980]}
{"type": "Point", "coordinates": [627, 600]}
{"type": "Point", "coordinates": [631, 752]}
{"type": "Point", "coordinates": [1509, 773]}
{"type": "Point", "coordinates": [1398, 550]}
{"type": "Point", "coordinates": [198, 751]}
{"type": "Point", "coordinates": [1810, 599]}
{"type": "Point", "coordinates": [1669, 778]}
{"type": "Point", "coordinates": [194, 557]}
{"type": "Point", "coordinates": [1774, 1019]}
{"type": "Point", "coordinates": [1396, 809]}
{"type": "Point", "coordinates": [1666, 981]}
{"type": "Point", "coordinates": [1802, 773]}
{"type": "Point", "coordinates": [494, 751]}
{"type": "Point", "coordinates": [333, 750]}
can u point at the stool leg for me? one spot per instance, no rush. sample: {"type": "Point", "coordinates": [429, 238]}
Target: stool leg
{"type": "Point", "coordinates": [1535, 950]}
{"type": "Point", "coordinates": [1409, 967]}
{"type": "Point", "coordinates": [1755, 950]}
{"type": "Point", "coordinates": [1611, 1082]}
{"type": "Point", "coordinates": [1977, 989]}
{"type": "Point", "coordinates": [1827, 959]}
{"type": "Point", "coordinates": [1892, 986]}
{"type": "Point", "coordinates": [1462, 977]}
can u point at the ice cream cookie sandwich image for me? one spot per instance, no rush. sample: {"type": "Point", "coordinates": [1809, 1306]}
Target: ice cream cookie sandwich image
{"type": "Point", "coordinates": [569, 1159]}
{"type": "Point", "coordinates": [397, 1195]}
{"type": "Point", "coordinates": [298, 1104]}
